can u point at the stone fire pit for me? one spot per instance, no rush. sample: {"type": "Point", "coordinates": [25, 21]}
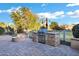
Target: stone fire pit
{"type": "Point", "coordinates": [19, 37]}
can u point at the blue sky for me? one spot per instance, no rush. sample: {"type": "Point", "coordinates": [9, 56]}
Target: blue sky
{"type": "Point", "coordinates": [63, 13]}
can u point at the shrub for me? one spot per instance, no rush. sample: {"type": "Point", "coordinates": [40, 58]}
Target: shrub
{"type": "Point", "coordinates": [43, 27]}
{"type": "Point", "coordinates": [1, 30]}
{"type": "Point", "coordinates": [58, 28]}
{"type": "Point", "coordinates": [75, 31]}
{"type": "Point", "coordinates": [10, 30]}
{"type": "Point", "coordinates": [53, 25]}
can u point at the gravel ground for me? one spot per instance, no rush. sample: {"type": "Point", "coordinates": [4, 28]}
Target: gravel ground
{"type": "Point", "coordinates": [29, 48]}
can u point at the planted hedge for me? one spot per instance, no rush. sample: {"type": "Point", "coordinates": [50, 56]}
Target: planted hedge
{"type": "Point", "coordinates": [2, 30]}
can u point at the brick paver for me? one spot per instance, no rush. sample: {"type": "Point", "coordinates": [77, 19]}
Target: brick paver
{"type": "Point", "coordinates": [29, 48]}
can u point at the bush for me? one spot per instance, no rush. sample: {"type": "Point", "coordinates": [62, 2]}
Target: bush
{"type": "Point", "coordinates": [10, 30]}
{"type": "Point", "coordinates": [1, 30]}
{"type": "Point", "coordinates": [43, 27]}
{"type": "Point", "coordinates": [53, 25]}
{"type": "Point", "coordinates": [75, 31]}
{"type": "Point", "coordinates": [58, 28]}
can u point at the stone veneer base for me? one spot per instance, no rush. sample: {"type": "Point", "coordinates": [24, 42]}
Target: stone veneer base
{"type": "Point", "coordinates": [75, 43]}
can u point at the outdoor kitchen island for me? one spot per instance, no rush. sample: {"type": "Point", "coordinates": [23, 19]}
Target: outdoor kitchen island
{"type": "Point", "coordinates": [45, 37]}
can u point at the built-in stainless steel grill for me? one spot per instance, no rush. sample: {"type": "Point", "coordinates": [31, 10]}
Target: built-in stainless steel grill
{"type": "Point", "coordinates": [42, 35]}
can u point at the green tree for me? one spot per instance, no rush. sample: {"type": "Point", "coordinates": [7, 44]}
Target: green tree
{"type": "Point", "coordinates": [2, 24]}
{"type": "Point", "coordinates": [24, 19]}
{"type": "Point", "coordinates": [54, 25]}
{"type": "Point", "coordinates": [63, 27]}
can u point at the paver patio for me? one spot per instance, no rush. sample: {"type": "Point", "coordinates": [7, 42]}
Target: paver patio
{"type": "Point", "coordinates": [29, 48]}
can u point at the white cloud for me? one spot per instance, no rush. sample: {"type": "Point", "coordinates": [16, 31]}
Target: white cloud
{"type": "Point", "coordinates": [73, 14]}
{"type": "Point", "coordinates": [18, 8]}
{"type": "Point", "coordinates": [9, 10]}
{"type": "Point", "coordinates": [72, 4]}
{"type": "Point", "coordinates": [76, 22]}
{"type": "Point", "coordinates": [46, 15]}
{"type": "Point", "coordinates": [52, 15]}
{"type": "Point", "coordinates": [59, 13]}
{"type": "Point", "coordinates": [70, 13]}
{"type": "Point", "coordinates": [43, 5]}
